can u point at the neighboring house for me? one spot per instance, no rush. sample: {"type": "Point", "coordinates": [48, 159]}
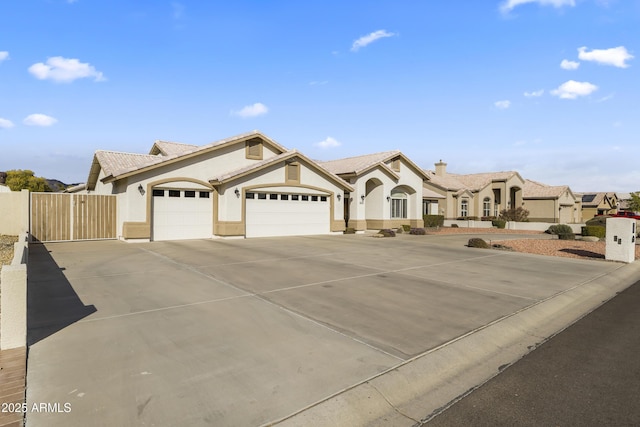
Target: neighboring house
{"type": "Point", "coordinates": [602, 203]}
{"type": "Point", "coordinates": [247, 185]}
{"type": "Point", "coordinates": [547, 203]}
{"type": "Point", "coordinates": [474, 195]}
{"type": "Point", "coordinates": [387, 190]}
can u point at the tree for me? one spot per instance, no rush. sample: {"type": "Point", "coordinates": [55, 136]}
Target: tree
{"type": "Point", "coordinates": [634, 203]}
{"type": "Point", "coordinates": [518, 214]}
{"type": "Point", "coordinates": [19, 179]}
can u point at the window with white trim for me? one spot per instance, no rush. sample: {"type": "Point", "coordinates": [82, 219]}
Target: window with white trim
{"type": "Point", "coordinates": [398, 205]}
{"type": "Point", "coordinates": [486, 207]}
{"type": "Point", "coordinates": [464, 207]}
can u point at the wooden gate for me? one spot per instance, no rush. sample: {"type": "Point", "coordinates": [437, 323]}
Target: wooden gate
{"type": "Point", "coordinates": [63, 217]}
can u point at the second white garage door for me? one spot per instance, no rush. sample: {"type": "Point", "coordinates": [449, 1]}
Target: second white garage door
{"type": "Point", "coordinates": [275, 214]}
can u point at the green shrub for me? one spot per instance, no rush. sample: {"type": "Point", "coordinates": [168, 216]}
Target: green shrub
{"type": "Point", "coordinates": [500, 223]}
{"type": "Point", "coordinates": [387, 233]}
{"type": "Point", "coordinates": [597, 221]}
{"type": "Point", "coordinates": [563, 231]}
{"type": "Point", "coordinates": [487, 218]}
{"type": "Point", "coordinates": [433, 221]}
{"type": "Point", "coordinates": [477, 243]}
{"type": "Point", "coordinates": [594, 230]}
{"type": "Point", "coordinates": [406, 227]}
{"type": "Point", "coordinates": [454, 225]}
{"type": "Point", "coordinates": [399, 230]}
{"type": "Point", "coordinates": [350, 230]}
{"type": "Point", "coordinates": [418, 231]}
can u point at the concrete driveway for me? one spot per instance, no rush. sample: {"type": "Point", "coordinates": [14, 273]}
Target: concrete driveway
{"type": "Point", "coordinates": [249, 332]}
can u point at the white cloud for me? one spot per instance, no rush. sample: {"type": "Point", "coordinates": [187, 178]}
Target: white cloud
{"type": "Point", "coordinates": [4, 55]}
{"type": "Point", "coordinates": [5, 124]}
{"type": "Point", "coordinates": [39, 120]}
{"type": "Point", "coordinates": [616, 56]}
{"type": "Point", "coordinates": [65, 70]}
{"type": "Point", "coordinates": [329, 142]}
{"type": "Point", "coordinates": [534, 94]}
{"type": "Point", "coordinates": [569, 65]}
{"type": "Point", "coordinates": [178, 10]}
{"type": "Point", "coordinates": [509, 5]}
{"type": "Point", "coordinates": [573, 89]}
{"type": "Point", "coordinates": [254, 110]}
{"type": "Point", "coordinates": [370, 38]}
{"type": "Point", "coordinates": [502, 105]}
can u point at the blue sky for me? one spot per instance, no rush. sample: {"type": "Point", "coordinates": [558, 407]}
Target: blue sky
{"type": "Point", "coordinates": [549, 88]}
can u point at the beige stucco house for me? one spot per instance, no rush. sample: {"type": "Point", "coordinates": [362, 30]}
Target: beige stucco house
{"type": "Point", "coordinates": [251, 186]}
{"type": "Point", "coordinates": [244, 186]}
{"type": "Point", "coordinates": [547, 203]}
{"type": "Point", "coordinates": [598, 204]}
{"type": "Point", "coordinates": [484, 195]}
{"type": "Point", "coordinates": [387, 190]}
{"type": "Point", "coordinates": [474, 195]}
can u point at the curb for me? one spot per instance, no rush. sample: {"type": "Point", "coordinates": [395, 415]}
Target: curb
{"type": "Point", "coordinates": [419, 389]}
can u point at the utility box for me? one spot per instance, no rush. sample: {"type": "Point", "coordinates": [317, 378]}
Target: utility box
{"type": "Point", "coordinates": [621, 240]}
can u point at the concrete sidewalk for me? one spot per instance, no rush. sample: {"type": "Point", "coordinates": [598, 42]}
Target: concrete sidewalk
{"type": "Point", "coordinates": [324, 330]}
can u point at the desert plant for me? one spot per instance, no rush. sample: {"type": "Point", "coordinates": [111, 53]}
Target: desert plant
{"type": "Point", "coordinates": [499, 223]}
{"type": "Point", "coordinates": [477, 243]}
{"type": "Point", "coordinates": [399, 230]}
{"type": "Point", "coordinates": [594, 230]}
{"type": "Point", "coordinates": [454, 225]}
{"type": "Point", "coordinates": [387, 233]}
{"type": "Point", "coordinates": [487, 218]}
{"type": "Point", "coordinates": [406, 227]}
{"type": "Point", "coordinates": [418, 231]}
{"type": "Point", "coordinates": [597, 221]}
{"type": "Point", "coordinates": [563, 231]}
{"type": "Point", "coordinates": [433, 220]}
{"type": "Point", "coordinates": [518, 214]}
{"type": "Point", "coordinates": [349, 230]}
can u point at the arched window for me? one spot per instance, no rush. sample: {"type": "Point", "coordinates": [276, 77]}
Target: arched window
{"type": "Point", "coordinates": [486, 207]}
{"type": "Point", "coordinates": [398, 204]}
{"type": "Point", "coordinates": [464, 207]}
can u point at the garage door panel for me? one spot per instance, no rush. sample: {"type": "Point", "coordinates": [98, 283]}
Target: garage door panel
{"type": "Point", "coordinates": [179, 218]}
{"type": "Point", "coordinates": [286, 217]}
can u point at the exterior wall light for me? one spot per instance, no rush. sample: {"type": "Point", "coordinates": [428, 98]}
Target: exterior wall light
{"type": "Point", "coordinates": [141, 189]}
{"type": "Point", "coordinates": [388, 198]}
{"type": "Point", "coordinates": [237, 192]}
{"type": "Point", "coordinates": [339, 196]}
{"type": "Point", "coordinates": [362, 199]}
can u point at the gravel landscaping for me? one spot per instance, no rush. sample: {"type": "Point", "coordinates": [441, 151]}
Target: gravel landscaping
{"type": "Point", "coordinates": [552, 247]}
{"type": "Point", "coordinates": [6, 249]}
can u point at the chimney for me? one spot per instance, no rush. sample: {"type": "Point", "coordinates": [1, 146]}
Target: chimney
{"type": "Point", "coordinates": [441, 168]}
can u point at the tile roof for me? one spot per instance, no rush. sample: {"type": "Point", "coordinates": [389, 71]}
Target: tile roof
{"type": "Point", "coordinates": [116, 163]}
{"type": "Point", "coordinates": [430, 194]}
{"type": "Point", "coordinates": [357, 164]}
{"type": "Point", "coordinates": [471, 182]}
{"type": "Point", "coordinates": [534, 189]}
{"type": "Point", "coordinates": [167, 148]}
{"type": "Point", "coordinates": [595, 199]}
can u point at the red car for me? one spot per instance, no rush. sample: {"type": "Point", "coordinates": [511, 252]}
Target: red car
{"type": "Point", "coordinates": [632, 215]}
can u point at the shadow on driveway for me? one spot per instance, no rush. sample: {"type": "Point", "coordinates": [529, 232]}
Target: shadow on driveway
{"type": "Point", "coordinates": [52, 303]}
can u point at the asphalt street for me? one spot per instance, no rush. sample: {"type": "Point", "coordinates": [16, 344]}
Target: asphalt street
{"type": "Point", "coordinates": [587, 375]}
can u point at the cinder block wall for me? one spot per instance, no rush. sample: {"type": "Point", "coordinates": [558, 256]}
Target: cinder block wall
{"type": "Point", "coordinates": [14, 212]}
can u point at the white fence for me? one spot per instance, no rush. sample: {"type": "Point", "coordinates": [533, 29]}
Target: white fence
{"type": "Point", "coordinates": [511, 225]}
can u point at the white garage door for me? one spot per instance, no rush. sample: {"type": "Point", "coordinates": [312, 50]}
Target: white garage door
{"type": "Point", "coordinates": [275, 214]}
{"type": "Point", "coordinates": [182, 214]}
